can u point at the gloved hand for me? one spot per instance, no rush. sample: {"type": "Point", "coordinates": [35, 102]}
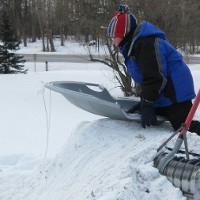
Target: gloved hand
{"type": "Point", "coordinates": [135, 108]}
{"type": "Point", "coordinates": [148, 116]}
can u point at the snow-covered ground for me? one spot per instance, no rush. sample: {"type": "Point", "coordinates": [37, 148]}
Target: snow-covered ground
{"type": "Point", "coordinates": [88, 156]}
{"type": "Point", "coordinates": [70, 48]}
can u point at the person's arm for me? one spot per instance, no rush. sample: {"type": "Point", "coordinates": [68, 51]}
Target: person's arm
{"type": "Point", "coordinates": [148, 59]}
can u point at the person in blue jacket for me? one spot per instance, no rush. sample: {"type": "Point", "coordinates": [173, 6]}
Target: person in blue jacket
{"type": "Point", "coordinates": [167, 86]}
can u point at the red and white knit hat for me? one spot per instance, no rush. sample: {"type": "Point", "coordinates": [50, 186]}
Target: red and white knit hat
{"type": "Point", "coordinates": [122, 23]}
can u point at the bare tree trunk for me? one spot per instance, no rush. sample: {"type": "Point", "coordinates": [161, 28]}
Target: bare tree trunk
{"type": "Point", "coordinates": [33, 21]}
{"type": "Point", "coordinates": [51, 41]}
{"type": "Point", "coordinates": [41, 25]}
{"type": "Point", "coordinates": [62, 40]}
{"type": "Point", "coordinates": [42, 33]}
{"type": "Point", "coordinates": [24, 39]}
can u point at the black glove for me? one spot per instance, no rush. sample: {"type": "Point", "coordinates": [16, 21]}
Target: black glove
{"type": "Point", "coordinates": [135, 108]}
{"type": "Point", "coordinates": [148, 116]}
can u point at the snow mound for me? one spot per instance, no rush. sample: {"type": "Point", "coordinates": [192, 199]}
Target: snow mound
{"type": "Point", "coordinates": [104, 160]}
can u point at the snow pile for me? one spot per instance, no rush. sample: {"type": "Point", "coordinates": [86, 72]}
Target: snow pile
{"type": "Point", "coordinates": [104, 160]}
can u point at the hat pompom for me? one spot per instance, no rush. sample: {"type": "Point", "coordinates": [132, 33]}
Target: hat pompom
{"type": "Point", "coordinates": [123, 8]}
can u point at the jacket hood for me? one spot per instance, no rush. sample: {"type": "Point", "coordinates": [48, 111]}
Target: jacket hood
{"type": "Point", "coordinates": [143, 30]}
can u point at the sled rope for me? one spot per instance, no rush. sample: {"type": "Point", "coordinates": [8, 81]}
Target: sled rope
{"type": "Point", "coordinates": [48, 118]}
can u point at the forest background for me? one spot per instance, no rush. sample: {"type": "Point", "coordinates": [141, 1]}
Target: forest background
{"type": "Point", "coordinates": [87, 20]}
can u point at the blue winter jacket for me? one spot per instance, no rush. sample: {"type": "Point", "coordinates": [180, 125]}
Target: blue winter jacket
{"type": "Point", "coordinates": [155, 64]}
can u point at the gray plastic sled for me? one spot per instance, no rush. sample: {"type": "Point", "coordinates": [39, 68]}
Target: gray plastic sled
{"type": "Point", "coordinates": [96, 99]}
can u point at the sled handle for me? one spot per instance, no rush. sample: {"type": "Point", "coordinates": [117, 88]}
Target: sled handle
{"type": "Point", "coordinates": [191, 114]}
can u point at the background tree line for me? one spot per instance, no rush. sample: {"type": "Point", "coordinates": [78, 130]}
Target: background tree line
{"type": "Point", "coordinates": [86, 19]}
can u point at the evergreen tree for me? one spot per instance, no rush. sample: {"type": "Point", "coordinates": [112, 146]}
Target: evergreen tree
{"type": "Point", "coordinates": [9, 61]}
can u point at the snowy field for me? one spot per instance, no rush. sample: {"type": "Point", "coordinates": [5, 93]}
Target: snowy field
{"type": "Point", "coordinates": [88, 156]}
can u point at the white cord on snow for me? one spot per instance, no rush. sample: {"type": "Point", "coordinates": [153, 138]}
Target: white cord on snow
{"type": "Point", "coordinates": [48, 118]}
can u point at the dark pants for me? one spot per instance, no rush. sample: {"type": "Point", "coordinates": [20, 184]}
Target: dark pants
{"type": "Point", "coordinates": [177, 114]}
